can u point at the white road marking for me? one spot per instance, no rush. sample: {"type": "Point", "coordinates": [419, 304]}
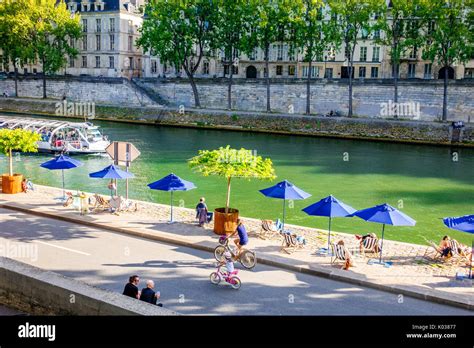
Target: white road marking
{"type": "Point", "coordinates": [60, 247]}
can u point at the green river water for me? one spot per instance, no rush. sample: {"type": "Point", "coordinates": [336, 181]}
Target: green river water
{"type": "Point", "coordinates": [423, 181]}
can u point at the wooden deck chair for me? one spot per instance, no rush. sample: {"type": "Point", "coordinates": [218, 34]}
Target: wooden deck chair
{"type": "Point", "coordinates": [338, 254]}
{"type": "Point", "coordinates": [101, 203]}
{"type": "Point", "coordinates": [291, 243]}
{"type": "Point", "coordinates": [432, 251]}
{"type": "Point", "coordinates": [268, 230]}
{"type": "Point", "coordinates": [369, 244]}
{"type": "Point", "coordinates": [456, 252]}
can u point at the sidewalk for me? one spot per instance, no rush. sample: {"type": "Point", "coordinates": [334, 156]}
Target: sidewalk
{"type": "Point", "coordinates": [410, 274]}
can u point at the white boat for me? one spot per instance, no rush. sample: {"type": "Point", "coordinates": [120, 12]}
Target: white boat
{"type": "Point", "coordinates": [61, 136]}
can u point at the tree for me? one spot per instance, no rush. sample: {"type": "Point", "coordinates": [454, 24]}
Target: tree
{"type": "Point", "coordinates": [352, 18]}
{"type": "Point", "coordinates": [272, 21]}
{"type": "Point", "coordinates": [233, 28]}
{"type": "Point", "coordinates": [400, 24]}
{"type": "Point", "coordinates": [15, 28]}
{"type": "Point", "coordinates": [231, 163]}
{"type": "Point", "coordinates": [17, 140]}
{"type": "Point", "coordinates": [313, 35]}
{"type": "Point", "coordinates": [450, 37]}
{"type": "Point", "coordinates": [179, 32]}
{"type": "Point", "coordinates": [53, 33]}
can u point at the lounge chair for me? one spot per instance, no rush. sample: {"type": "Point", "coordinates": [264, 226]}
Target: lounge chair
{"type": "Point", "coordinates": [120, 204]}
{"type": "Point", "coordinates": [458, 255]}
{"type": "Point", "coordinates": [339, 254]}
{"type": "Point", "coordinates": [269, 230]}
{"type": "Point", "coordinates": [69, 199]}
{"type": "Point", "coordinates": [292, 243]}
{"type": "Point", "coordinates": [432, 251]}
{"type": "Point", "coordinates": [101, 203]}
{"type": "Point", "coordinates": [369, 244]}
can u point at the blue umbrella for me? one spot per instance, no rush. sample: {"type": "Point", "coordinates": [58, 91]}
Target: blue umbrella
{"type": "Point", "coordinates": [387, 215]}
{"type": "Point", "coordinates": [330, 207]}
{"type": "Point", "coordinates": [172, 183]}
{"type": "Point", "coordinates": [465, 224]}
{"type": "Point", "coordinates": [111, 172]}
{"type": "Point", "coordinates": [285, 190]}
{"type": "Point", "coordinates": [61, 162]}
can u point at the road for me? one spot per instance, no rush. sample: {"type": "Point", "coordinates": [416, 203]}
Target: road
{"type": "Point", "coordinates": [107, 259]}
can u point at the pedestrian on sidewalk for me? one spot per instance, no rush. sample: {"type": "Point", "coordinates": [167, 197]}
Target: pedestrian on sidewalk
{"type": "Point", "coordinates": [201, 212]}
{"type": "Point", "coordinates": [131, 288]}
{"type": "Point", "coordinates": [149, 295]}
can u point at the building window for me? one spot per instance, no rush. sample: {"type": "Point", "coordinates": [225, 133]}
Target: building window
{"type": "Point", "coordinates": [376, 54]}
{"type": "Point", "coordinates": [97, 61]}
{"type": "Point", "coordinates": [291, 70]}
{"type": "Point", "coordinates": [363, 54]}
{"type": "Point", "coordinates": [362, 72]}
{"type": "Point", "coordinates": [154, 67]}
{"type": "Point", "coordinates": [411, 70]}
{"type": "Point", "coordinates": [97, 42]}
{"type": "Point", "coordinates": [1, 63]}
{"type": "Point", "coordinates": [112, 42]}
{"type": "Point", "coordinates": [291, 53]}
{"type": "Point", "coordinates": [329, 73]}
{"type": "Point", "coordinates": [98, 24]}
{"type": "Point", "coordinates": [84, 61]}
{"type": "Point", "coordinates": [71, 62]}
{"type": "Point", "coordinates": [130, 62]}
{"type": "Point", "coordinates": [253, 55]}
{"type": "Point", "coordinates": [347, 52]}
{"type": "Point", "coordinates": [364, 34]}
{"type": "Point", "coordinates": [111, 62]}
{"type": "Point", "coordinates": [279, 48]}
{"type": "Point", "coordinates": [84, 43]}
{"type": "Point", "coordinates": [205, 68]}
{"type": "Point", "coordinates": [84, 25]}
{"type": "Point", "coordinates": [414, 53]}
{"type": "Point", "coordinates": [377, 34]}
{"type": "Point", "coordinates": [374, 72]}
{"type": "Point", "coordinates": [130, 27]}
{"type": "Point", "coordinates": [112, 24]}
{"type": "Point", "coordinates": [279, 70]}
{"type": "Point", "coordinates": [314, 71]}
{"type": "Point", "coordinates": [130, 43]}
{"type": "Point", "coordinates": [428, 68]}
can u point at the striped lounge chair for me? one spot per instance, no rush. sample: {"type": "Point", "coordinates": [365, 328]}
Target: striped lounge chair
{"type": "Point", "coordinates": [338, 253]}
{"type": "Point", "coordinates": [268, 230]}
{"type": "Point", "coordinates": [291, 243]}
{"type": "Point", "coordinates": [369, 244]}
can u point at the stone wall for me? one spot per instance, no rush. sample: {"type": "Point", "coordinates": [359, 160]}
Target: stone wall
{"type": "Point", "coordinates": [340, 127]}
{"type": "Point", "coordinates": [112, 91]}
{"type": "Point", "coordinates": [290, 96]}
{"type": "Point", "coordinates": [36, 291]}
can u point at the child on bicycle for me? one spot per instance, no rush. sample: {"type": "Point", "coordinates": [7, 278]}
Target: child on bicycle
{"type": "Point", "coordinates": [228, 262]}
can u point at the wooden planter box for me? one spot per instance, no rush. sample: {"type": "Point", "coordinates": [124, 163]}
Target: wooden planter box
{"type": "Point", "coordinates": [225, 223]}
{"type": "Point", "coordinates": [12, 184]}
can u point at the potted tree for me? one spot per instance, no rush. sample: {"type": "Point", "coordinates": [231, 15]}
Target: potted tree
{"type": "Point", "coordinates": [16, 140]}
{"type": "Point", "coordinates": [231, 163]}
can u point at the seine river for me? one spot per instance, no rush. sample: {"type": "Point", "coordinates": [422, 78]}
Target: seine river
{"type": "Point", "coordinates": [426, 182]}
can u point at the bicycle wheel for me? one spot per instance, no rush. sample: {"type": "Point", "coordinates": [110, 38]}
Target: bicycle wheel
{"type": "Point", "coordinates": [248, 259]}
{"type": "Point", "coordinates": [235, 283]}
{"type": "Point", "coordinates": [219, 253]}
{"type": "Point", "coordinates": [215, 278]}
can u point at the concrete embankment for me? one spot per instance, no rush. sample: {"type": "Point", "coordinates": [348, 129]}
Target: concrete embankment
{"type": "Point", "coordinates": [36, 291]}
{"type": "Point", "coordinates": [338, 127]}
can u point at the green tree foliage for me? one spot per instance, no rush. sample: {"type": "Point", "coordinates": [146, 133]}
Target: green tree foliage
{"type": "Point", "coordinates": [232, 163]}
{"type": "Point", "coordinates": [233, 35]}
{"type": "Point", "coordinates": [272, 20]}
{"type": "Point", "coordinates": [16, 26]}
{"type": "Point", "coordinates": [179, 32]}
{"type": "Point", "coordinates": [450, 39]}
{"type": "Point", "coordinates": [54, 31]}
{"type": "Point", "coordinates": [17, 140]}
{"type": "Point", "coordinates": [354, 21]}
{"type": "Point", "coordinates": [400, 25]}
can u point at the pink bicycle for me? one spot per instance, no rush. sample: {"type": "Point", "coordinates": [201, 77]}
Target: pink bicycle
{"type": "Point", "coordinates": [229, 278]}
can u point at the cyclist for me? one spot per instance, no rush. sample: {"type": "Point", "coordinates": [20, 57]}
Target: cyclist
{"type": "Point", "coordinates": [243, 237]}
{"type": "Point", "coordinates": [228, 262]}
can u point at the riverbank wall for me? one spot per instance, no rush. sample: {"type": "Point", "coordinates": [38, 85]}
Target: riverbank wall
{"type": "Point", "coordinates": [337, 127]}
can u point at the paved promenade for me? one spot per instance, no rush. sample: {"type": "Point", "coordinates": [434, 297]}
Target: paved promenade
{"type": "Point", "coordinates": [410, 273]}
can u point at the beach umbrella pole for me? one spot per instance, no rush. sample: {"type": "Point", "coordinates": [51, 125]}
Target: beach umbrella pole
{"type": "Point", "coordinates": [284, 210]}
{"type": "Point", "coordinates": [171, 221]}
{"type": "Point", "coordinates": [381, 245]}
{"type": "Point", "coordinates": [329, 237]}
{"type": "Point", "coordinates": [64, 193]}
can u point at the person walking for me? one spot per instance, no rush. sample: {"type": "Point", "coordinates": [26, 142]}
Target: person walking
{"type": "Point", "coordinates": [201, 212]}
{"type": "Point", "coordinates": [149, 295]}
{"type": "Point", "coordinates": [131, 288]}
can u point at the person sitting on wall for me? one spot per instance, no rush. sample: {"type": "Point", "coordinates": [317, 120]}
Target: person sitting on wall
{"type": "Point", "coordinates": [149, 295]}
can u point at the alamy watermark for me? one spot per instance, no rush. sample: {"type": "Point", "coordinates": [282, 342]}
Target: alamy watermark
{"type": "Point", "coordinates": [19, 251]}
{"type": "Point", "coordinates": [75, 109]}
{"type": "Point", "coordinates": [408, 109]}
